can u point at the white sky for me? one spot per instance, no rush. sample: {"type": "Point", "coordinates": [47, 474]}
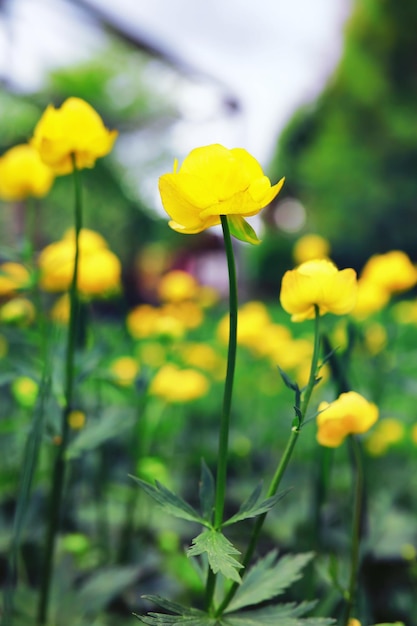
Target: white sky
{"type": "Point", "coordinates": [273, 54]}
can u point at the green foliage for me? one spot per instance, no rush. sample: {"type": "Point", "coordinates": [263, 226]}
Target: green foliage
{"type": "Point", "coordinates": [251, 507]}
{"type": "Point", "coordinates": [219, 552]}
{"type": "Point", "coordinates": [268, 578]}
{"type": "Point", "coordinates": [351, 157]}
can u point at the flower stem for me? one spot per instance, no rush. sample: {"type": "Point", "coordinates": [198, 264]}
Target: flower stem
{"type": "Point", "coordinates": [60, 461]}
{"type": "Point", "coordinates": [301, 406]}
{"type": "Point", "coordinates": [356, 528]}
{"type": "Point", "coordinates": [227, 398]}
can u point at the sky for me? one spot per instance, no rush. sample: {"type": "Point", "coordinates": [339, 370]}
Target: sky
{"type": "Point", "coordinates": [271, 55]}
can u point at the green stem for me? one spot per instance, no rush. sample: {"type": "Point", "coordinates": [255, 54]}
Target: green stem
{"type": "Point", "coordinates": [301, 411]}
{"type": "Point", "coordinates": [227, 399]}
{"type": "Point", "coordinates": [356, 528]}
{"type": "Point", "coordinates": [60, 461]}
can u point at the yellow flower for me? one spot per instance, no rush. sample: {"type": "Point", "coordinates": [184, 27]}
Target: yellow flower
{"type": "Point", "coordinates": [371, 298]}
{"type": "Point", "coordinates": [173, 384]}
{"type": "Point", "coordinates": [252, 322]}
{"type": "Point", "coordinates": [74, 129]}
{"type": "Point", "coordinates": [60, 312]}
{"type": "Point", "coordinates": [13, 277]}
{"type": "Point", "coordinates": [177, 286]}
{"type": "Point", "coordinates": [23, 174]}
{"type": "Point", "coordinates": [354, 622]}
{"type": "Point", "coordinates": [392, 271]}
{"type": "Point", "coordinates": [76, 420]}
{"type": "Point", "coordinates": [388, 431]}
{"type": "Point", "coordinates": [25, 391]}
{"type": "Point", "coordinates": [99, 270]}
{"type": "Point", "coordinates": [319, 283]}
{"type": "Point", "coordinates": [18, 311]}
{"type": "Point", "coordinates": [124, 370]}
{"type": "Point", "coordinates": [350, 414]}
{"type": "Point", "coordinates": [414, 434]}
{"type": "Point", "coordinates": [215, 181]}
{"type": "Point", "coordinates": [310, 247]}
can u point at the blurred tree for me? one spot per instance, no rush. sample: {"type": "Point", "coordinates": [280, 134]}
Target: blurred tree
{"type": "Point", "coordinates": [351, 157]}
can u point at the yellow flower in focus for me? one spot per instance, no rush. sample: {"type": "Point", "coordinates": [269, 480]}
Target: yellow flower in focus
{"type": "Point", "coordinates": [350, 414]}
{"type": "Point", "coordinates": [25, 391]}
{"type": "Point", "coordinates": [13, 277]}
{"type": "Point", "coordinates": [388, 431]}
{"type": "Point", "coordinates": [18, 311]}
{"type": "Point", "coordinates": [73, 129]}
{"type": "Point", "coordinates": [23, 174]}
{"type": "Point", "coordinates": [215, 181]}
{"type": "Point", "coordinates": [310, 247]}
{"type": "Point", "coordinates": [124, 370]}
{"type": "Point", "coordinates": [392, 271]}
{"type": "Point", "coordinates": [319, 283]}
{"type": "Point", "coordinates": [173, 384]}
{"type": "Point", "coordinates": [177, 286]}
{"type": "Point", "coordinates": [371, 298]}
{"type": "Point", "coordinates": [99, 269]}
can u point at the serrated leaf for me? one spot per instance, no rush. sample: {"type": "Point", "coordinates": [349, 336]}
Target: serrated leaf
{"type": "Point", "coordinates": [219, 552]}
{"type": "Point", "coordinates": [170, 502]}
{"type": "Point", "coordinates": [273, 615]}
{"type": "Point", "coordinates": [242, 230]}
{"type": "Point", "coordinates": [206, 492]}
{"type": "Point", "coordinates": [252, 507]}
{"type": "Point", "coordinates": [182, 614]}
{"type": "Point", "coordinates": [268, 578]}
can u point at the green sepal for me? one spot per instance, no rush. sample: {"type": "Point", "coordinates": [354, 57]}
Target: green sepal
{"type": "Point", "coordinates": [251, 507]}
{"type": "Point", "coordinates": [242, 230]}
{"type": "Point", "coordinates": [170, 502]}
{"type": "Point", "coordinates": [219, 552]}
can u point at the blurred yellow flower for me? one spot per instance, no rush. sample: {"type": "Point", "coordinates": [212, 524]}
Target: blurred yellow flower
{"type": "Point", "coordinates": [61, 309]}
{"type": "Point", "coordinates": [392, 271]}
{"type": "Point", "coordinates": [73, 129]}
{"type": "Point", "coordinates": [354, 622]}
{"type": "Point", "coordinates": [18, 311]}
{"type": "Point", "coordinates": [386, 433]}
{"type": "Point", "coordinates": [375, 338]}
{"type": "Point", "coordinates": [76, 420]}
{"type": "Point", "coordinates": [204, 357]}
{"type": "Point", "coordinates": [23, 174]}
{"type": "Point", "coordinates": [215, 181]}
{"type": "Point", "coordinates": [173, 384]}
{"type": "Point", "coordinates": [319, 283]}
{"type": "Point", "coordinates": [177, 286]}
{"type": "Point", "coordinates": [146, 321]}
{"type": "Point", "coordinates": [99, 270]}
{"type": "Point", "coordinates": [414, 434]}
{"type": "Point", "coordinates": [253, 320]}
{"type": "Point", "coordinates": [350, 414]}
{"type": "Point", "coordinates": [310, 247]}
{"type": "Point", "coordinates": [124, 370]}
{"type": "Point", "coordinates": [371, 298]}
{"type": "Point", "coordinates": [405, 312]}
{"type": "Point", "coordinates": [4, 346]}
{"type": "Point", "coordinates": [13, 277]}
{"type": "Point", "coordinates": [188, 313]}
{"type": "Point", "coordinates": [25, 391]}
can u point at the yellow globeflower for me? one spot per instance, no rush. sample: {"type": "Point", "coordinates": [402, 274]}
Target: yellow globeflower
{"type": "Point", "coordinates": [23, 174]}
{"type": "Point", "coordinates": [371, 298]}
{"type": "Point", "coordinates": [18, 311]}
{"type": "Point", "coordinates": [74, 129]}
{"type": "Point", "coordinates": [319, 283]}
{"type": "Point", "coordinates": [13, 277]}
{"type": "Point", "coordinates": [350, 414]}
{"type": "Point", "coordinates": [124, 370]}
{"type": "Point", "coordinates": [173, 384]}
{"type": "Point", "coordinates": [215, 181]}
{"type": "Point", "coordinates": [310, 247]}
{"type": "Point", "coordinates": [99, 270]}
{"type": "Point", "coordinates": [76, 420]}
{"type": "Point", "coordinates": [392, 271]}
{"type": "Point", "coordinates": [177, 286]}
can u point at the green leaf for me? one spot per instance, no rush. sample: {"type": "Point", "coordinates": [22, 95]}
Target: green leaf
{"type": "Point", "coordinates": [287, 380]}
{"type": "Point", "coordinates": [282, 614]}
{"type": "Point", "coordinates": [182, 614]}
{"type": "Point", "coordinates": [268, 578]}
{"type": "Point", "coordinates": [98, 432]}
{"type": "Point", "coordinates": [103, 586]}
{"type": "Point", "coordinates": [252, 507]}
{"type": "Point", "coordinates": [243, 231]}
{"type": "Point", "coordinates": [207, 492]}
{"type": "Point", "coordinates": [219, 552]}
{"type": "Point", "coordinates": [170, 502]}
